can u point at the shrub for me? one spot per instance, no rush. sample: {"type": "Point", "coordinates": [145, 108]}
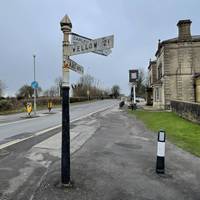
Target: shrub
{"type": "Point", "coordinates": [5, 105]}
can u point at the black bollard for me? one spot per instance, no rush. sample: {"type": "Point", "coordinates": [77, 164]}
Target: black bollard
{"type": "Point", "coordinates": [160, 162]}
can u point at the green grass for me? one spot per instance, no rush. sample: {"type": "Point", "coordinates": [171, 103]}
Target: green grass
{"type": "Point", "coordinates": [181, 132]}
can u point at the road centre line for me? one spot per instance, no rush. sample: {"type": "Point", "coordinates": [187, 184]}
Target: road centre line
{"type": "Point", "coordinates": [50, 129]}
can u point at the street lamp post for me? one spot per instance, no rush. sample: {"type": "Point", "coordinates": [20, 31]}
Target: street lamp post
{"type": "Point", "coordinates": [34, 88]}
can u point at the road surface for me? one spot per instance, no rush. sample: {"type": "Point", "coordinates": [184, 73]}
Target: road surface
{"type": "Point", "coordinates": [113, 156]}
{"type": "Point", "coordinates": [18, 126]}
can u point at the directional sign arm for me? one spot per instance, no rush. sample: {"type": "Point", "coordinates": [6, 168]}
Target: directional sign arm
{"type": "Point", "coordinates": [74, 66]}
{"type": "Point", "coordinates": [100, 44]}
{"type": "Point", "coordinates": [79, 39]}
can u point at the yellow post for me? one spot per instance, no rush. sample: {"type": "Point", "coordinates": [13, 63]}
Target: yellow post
{"type": "Point", "coordinates": [50, 105]}
{"type": "Point", "coordinates": [29, 108]}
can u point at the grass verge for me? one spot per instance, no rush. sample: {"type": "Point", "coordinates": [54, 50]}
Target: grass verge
{"type": "Point", "coordinates": [181, 132]}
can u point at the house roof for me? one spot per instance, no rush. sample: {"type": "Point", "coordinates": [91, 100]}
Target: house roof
{"type": "Point", "coordinates": [151, 62]}
{"type": "Point", "coordinates": [195, 38]}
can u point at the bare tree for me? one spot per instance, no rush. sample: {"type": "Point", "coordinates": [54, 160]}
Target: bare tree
{"type": "Point", "coordinates": [88, 86]}
{"type": "Point", "coordinates": [84, 84]}
{"type": "Point", "coordinates": [52, 92]}
{"type": "Point", "coordinates": [58, 84]}
{"type": "Point", "coordinates": [2, 87]}
{"type": "Point", "coordinates": [86, 80]}
{"type": "Point", "coordinates": [141, 84]}
{"type": "Point", "coordinates": [115, 91]}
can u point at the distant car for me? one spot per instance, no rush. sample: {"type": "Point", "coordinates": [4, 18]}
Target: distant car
{"type": "Point", "coordinates": [140, 99]}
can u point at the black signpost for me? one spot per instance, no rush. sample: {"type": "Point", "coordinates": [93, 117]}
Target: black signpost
{"type": "Point", "coordinates": [101, 46]}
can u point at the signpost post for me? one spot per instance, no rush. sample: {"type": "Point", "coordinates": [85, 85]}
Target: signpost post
{"type": "Point", "coordinates": [82, 45]}
{"type": "Point", "coordinates": [133, 77]}
{"type": "Point", "coordinates": [66, 27]}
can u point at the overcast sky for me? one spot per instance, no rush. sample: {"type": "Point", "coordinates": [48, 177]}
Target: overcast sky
{"type": "Point", "coordinates": [30, 27]}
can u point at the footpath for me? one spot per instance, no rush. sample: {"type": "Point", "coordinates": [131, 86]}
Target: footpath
{"type": "Point", "coordinates": [114, 158]}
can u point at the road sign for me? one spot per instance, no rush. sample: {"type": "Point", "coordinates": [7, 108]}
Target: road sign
{"type": "Point", "coordinates": [78, 39]}
{"type": "Point", "coordinates": [103, 43]}
{"type": "Point", "coordinates": [74, 66]}
{"type": "Point", "coordinates": [133, 75]}
{"type": "Point", "coordinates": [34, 84]}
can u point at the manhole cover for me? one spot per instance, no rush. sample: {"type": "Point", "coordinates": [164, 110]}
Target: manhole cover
{"type": "Point", "coordinates": [129, 146]}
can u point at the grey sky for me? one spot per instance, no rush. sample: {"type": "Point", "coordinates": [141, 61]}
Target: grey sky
{"type": "Point", "coordinates": [32, 26]}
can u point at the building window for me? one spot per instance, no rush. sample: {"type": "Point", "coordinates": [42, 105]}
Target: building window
{"type": "Point", "coordinates": [160, 71]}
{"type": "Point", "coordinates": [157, 94]}
{"type": "Point", "coordinates": [150, 80]}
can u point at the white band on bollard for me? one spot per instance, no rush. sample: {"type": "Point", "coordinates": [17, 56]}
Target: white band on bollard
{"type": "Point", "coordinates": [161, 149]}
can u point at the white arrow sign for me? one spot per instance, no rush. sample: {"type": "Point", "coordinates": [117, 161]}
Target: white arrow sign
{"type": "Point", "coordinates": [74, 66]}
{"type": "Point", "coordinates": [78, 39]}
{"type": "Point", "coordinates": [93, 45]}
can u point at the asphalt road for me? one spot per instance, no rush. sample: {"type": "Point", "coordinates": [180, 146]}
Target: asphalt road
{"type": "Point", "coordinates": [113, 156]}
{"type": "Point", "coordinates": [18, 125]}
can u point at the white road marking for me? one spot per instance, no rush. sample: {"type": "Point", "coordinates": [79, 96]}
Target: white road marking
{"type": "Point", "coordinates": [23, 120]}
{"type": "Point", "coordinates": [50, 129]}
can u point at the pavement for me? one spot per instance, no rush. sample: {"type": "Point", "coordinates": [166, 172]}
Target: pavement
{"type": "Point", "coordinates": [113, 157]}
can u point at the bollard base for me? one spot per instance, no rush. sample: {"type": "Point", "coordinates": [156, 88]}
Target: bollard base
{"type": "Point", "coordinates": [160, 171]}
{"type": "Point", "coordinates": [68, 185]}
{"type": "Point", "coordinates": [160, 165]}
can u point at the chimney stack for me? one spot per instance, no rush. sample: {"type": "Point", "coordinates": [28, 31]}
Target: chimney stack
{"type": "Point", "coordinates": [184, 33]}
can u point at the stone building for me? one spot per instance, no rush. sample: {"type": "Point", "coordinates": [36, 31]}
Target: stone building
{"type": "Point", "coordinates": [173, 75]}
{"type": "Point", "coordinates": [152, 78]}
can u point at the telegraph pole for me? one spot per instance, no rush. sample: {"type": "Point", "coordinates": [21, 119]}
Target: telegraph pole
{"type": "Point", "coordinates": [34, 88]}
{"type": "Point", "coordinates": [66, 27]}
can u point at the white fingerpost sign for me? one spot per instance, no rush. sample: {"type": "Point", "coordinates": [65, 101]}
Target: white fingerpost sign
{"type": "Point", "coordinates": [76, 67]}
{"type": "Point", "coordinates": [79, 39]}
{"type": "Point", "coordinates": [103, 43]}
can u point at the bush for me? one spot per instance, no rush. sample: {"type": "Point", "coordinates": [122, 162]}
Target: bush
{"type": "Point", "coordinates": [78, 99]}
{"type": "Point", "coordinates": [5, 105]}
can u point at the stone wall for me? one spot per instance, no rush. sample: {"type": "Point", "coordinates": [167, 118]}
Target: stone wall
{"type": "Point", "coordinates": [187, 110]}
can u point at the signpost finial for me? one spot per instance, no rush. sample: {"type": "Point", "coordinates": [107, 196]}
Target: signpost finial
{"type": "Point", "coordinates": [65, 23]}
